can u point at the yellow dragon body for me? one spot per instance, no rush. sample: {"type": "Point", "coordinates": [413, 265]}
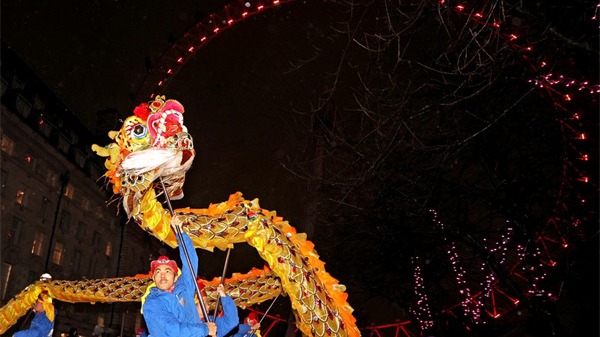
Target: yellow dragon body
{"type": "Point", "coordinates": [150, 156]}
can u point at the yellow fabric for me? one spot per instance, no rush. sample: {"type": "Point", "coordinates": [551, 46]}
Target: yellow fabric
{"type": "Point", "coordinates": [143, 299]}
{"type": "Point", "coordinates": [47, 305]}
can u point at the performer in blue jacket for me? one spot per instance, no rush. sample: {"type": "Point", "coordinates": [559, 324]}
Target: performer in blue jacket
{"type": "Point", "coordinates": [168, 305]}
{"type": "Point", "coordinates": [42, 324]}
{"type": "Point", "coordinates": [228, 318]}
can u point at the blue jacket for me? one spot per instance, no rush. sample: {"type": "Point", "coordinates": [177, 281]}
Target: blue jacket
{"type": "Point", "coordinates": [174, 313]}
{"type": "Point", "coordinates": [243, 330]}
{"type": "Point", "coordinates": [40, 327]}
{"type": "Point", "coordinates": [229, 320]}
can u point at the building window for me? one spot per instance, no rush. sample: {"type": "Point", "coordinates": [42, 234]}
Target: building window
{"type": "Point", "coordinates": [14, 231]}
{"type": "Point", "coordinates": [74, 137]}
{"type": "Point", "coordinates": [17, 83]}
{"type": "Point", "coordinates": [6, 273]}
{"type": "Point", "coordinates": [3, 87]}
{"type": "Point", "coordinates": [80, 158]}
{"type": "Point", "coordinates": [23, 106]}
{"type": "Point", "coordinates": [30, 163]}
{"type": "Point", "coordinates": [4, 177]}
{"type": "Point", "coordinates": [76, 260]}
{"type": "Point", "coordinates": [57, 256]}
{"type": "Point", "coordinates": [38, 103]}
{"type": "Point", "coordinates": [44, 127]}
{"type": "Point", "coordinates": [80, 230]}
{"type": "Point", "coordinates": [65, 220]}
{"type": "Point", "coordinates": [32, 277]}
{"type": "Point", "coordinates": [45, 208]}
{"type": "Point", "coordinates": [52, 178]}
{"type": "Point", "coordinates": [92, 271]}
{"type": "Point", "coordinates": [85, 203]}
{"type": "Point", "coordinates": [95, 172]}
{"type": "Point", "coordinates": [69, 190]}
{"type": "Point", "coordinates": [40, 168]}
{"type": "Point", "coordinates": [8, 145]}
{"type": "Point", "coordinates": [38, 243]}
{"type": "Point", "coordinates": [20, 197]}
{"type": "Point", "coordinates": [108, 250]}
{"type": "Point", "coordinates": [63, 144]}
{"type": "Point", "coordinates": [96, 240]}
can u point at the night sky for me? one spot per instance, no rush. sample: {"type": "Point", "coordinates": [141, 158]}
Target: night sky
{"type": "Point", "coordinates": [417, 110]}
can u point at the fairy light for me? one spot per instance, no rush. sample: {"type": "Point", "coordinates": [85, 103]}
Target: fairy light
{"type": "Point", "coordinates": [471, 307]}
{"type": "Point", "coordinates": [423, 312]}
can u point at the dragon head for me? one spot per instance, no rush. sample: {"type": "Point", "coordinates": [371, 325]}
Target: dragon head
{"type": "Point", "coordinates": [152, 144]}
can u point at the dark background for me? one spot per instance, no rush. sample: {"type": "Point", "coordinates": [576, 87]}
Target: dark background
{"type": "Point", "coordinates": [410, 107]}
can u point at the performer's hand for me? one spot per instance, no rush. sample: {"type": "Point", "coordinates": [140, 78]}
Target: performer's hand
{"type": "Point", "coordinates": [221, 290]}
{"type": "Point", "coordinates": [255, 326]}
{"type": "Point", "coordinates": [212, 328]}
{"type": "Point", "coordinates": [176, 222]}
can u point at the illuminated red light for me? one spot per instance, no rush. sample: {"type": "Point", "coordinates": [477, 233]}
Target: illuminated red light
{"type": "Point", "coordinates": [460, 8]}
{"type": "Point", "coordinates": [191, 49]}
{"type": "Point", "coordinates": [584, 179]}
{"type": "Point", "coordinates": [180, 60]}
{"type": "Point", "coordinates": [160, 83]}
{"type": "Point", "coordinates": [203, 39]}
{"type": "Point", "coordinates": [170, 71]}
{"type": "Point", "coordinates": [245, 14]}
{"type": "Point", "coordinates": [230, 21]}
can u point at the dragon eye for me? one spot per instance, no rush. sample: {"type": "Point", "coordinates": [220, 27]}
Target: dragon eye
{"type": "Point", "coordinates": [140, 131]}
